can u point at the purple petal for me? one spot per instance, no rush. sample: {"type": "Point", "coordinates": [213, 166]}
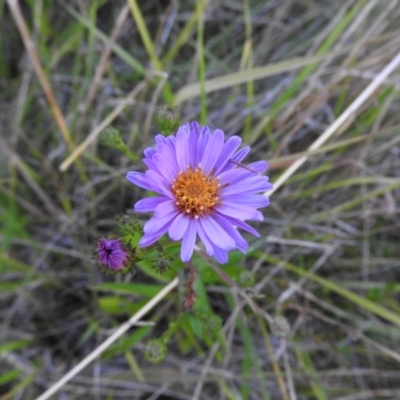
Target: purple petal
{"type": "Point", "coordinates": [151, 180]}
{"type": "Point", "coordinates": [149, 162]}
{"type": "Point", "coordinates": [247, 171]}
{"type": "Point", "coordinates": [242, 225]}
{"type": "Point", "coordinates": [147, 240]}
{"type": "Point", "coordinates": [171, 142]}
{"type": "Point", "coordinates": [238, 157]}
{"type": "Point", "coordinates": [251, 185]}
{"type": "Point", "coordinates": [149, 204]}
{"type": "Point", "coordinates": [178, 227]}
{"type": "Point", "coordinates": [235, 175]}
{"type": "Point", "coordinates": [258, 166]}
{"type": "Point", "coordinates": [212, 151]}
{"type": "Point", "coordinates": [202, 143]}
{"type": "Point", "coordinates": [242, 153]}
{"type": "Point", "coordinates": [182, 148]}
{"type": "Point", "coordinates": [205, 130]}
{"type": "Point", "coordinates": [165, 208]}
{"type": "Point", "coordinates": [168, 141]}
{"type": "Point", "coordinates": [239, 211]}
{"type": "Point", "coordinates": [150, 238]}
{"type": "Point", "coordinates": [186, 127]}
{"type": "Point", "coordinates": [139, 179]}
{"type": "Point", "coordinates": [188, 242]}
{"type": "Point", "coordinates": [154, 224]}
{"type": "Point", "coordinates": [204, 238]}
{"type": "Point", "coordinates": [158, 183]}
{"type": "Point", "coordinates": [241, 244]}
{"type": "Point", "coordinates": [251, 200]}
{"type": "Point", "coordinates": [167, 149]}
{"type": "Point", "coordinates": [111, 253]}
{"type": "Point", "coordinates": [220, 255]}
{"type": "Point", "coordinates": [193, 139]}
{"type": "Point", "coordinates": [216, 233]}
{"type": "Point", "coordinates": [164, 167]}
{"type": "Point", "coordinates": [149, 152]}
{"type": "Point", "coordinates": [227, 152]}
{"type": "Point", "coordinates": [116, 261]}
{"type": "Point", "coordinates": [160, 139]}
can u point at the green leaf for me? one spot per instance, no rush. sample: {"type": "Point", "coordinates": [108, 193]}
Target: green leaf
{"type": "Point", "coordinates": [9, 376]}
{"type": "Point", "coordinates": [17, 344]}
{"type": "Point", "coordinates": [249, 75]}
{"type": "Point", "coordinates": [128, 288]}
{"type": "Point", "coordinates": [329, 285]}
{"type": "Point", "coordinates": [197, 326]}
{"type": "Point", "coordinates": [125, 343]}
{"type": "Point", "coordinates": [119, 305]}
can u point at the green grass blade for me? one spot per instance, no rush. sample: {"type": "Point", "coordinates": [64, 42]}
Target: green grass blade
{"type": "Point", "coordinates": [118, 50]}
{"type": "Point", "coordinates": [368, 305]}
{"type": "Point", "coordinates": [236, 78]}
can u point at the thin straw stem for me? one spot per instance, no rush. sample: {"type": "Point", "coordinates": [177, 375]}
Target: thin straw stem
{"type": "Point", "coordinates": [118, 333]}
{"type": "Point", "coordinates": [44, 82]}
{"type": "Point", "coordinates": [345, 116]}
{"type": "Point", "coordinates": [107, 121]}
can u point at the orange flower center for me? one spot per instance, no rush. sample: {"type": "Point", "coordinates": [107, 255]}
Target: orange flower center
{"type": "Point", "coordinates": [196, 194]}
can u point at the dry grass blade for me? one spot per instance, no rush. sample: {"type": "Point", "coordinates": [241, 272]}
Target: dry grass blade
{"type": "Point", "coordinates": [249, 75]}
{"type": "Point", "coordinates": [289, 375]}
{"type": "Point", "coordinates": [275, 163]}
{"type": "Point", "coordinates": [343, 118]}
{"type": "Point", "coordinates": [107, 343]}
{"type": "Point", "coordinates": [104, 57]}
{"type": "Point", "coordinates": [107, 121]}
{"type": "Point", "coordinates": [30, 47]}
{"type": "Point", "coordinates": [16, 160]}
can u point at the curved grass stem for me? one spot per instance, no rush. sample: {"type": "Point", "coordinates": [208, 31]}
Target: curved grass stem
{"type": "Point", "coordinates": [107, 343]}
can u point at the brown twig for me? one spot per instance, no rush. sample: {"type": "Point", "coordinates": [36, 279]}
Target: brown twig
{"type": "Point", "coordinates": [104, 58]}
{"type": "Point", "coordinates": [190, 294]}
{"type": "Point", "coordinates": [31, 49]}
{"type": "Point", "coordinates": [226, 278]}
{"type": "Point", "coordinates": [260, 314]}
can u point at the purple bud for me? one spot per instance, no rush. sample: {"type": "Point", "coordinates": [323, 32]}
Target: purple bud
{"type": "Point", "coordinates": [111, 254]}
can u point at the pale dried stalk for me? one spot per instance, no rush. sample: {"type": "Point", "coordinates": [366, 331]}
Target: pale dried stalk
{"type": "Point", "coordinates": [104, 58]}
{"type": "Point", "coordinates": [343, 118]}
{"type": "Point", "coordinates": [289, 375]}
{"type": "Point", "coordinates": [30, 48]}
{"type": "Point", "coordinates": [152, 107]}
{"type": "Point", "coordinates": [118, 333]}
{"type": "Point", "coordinates": [107, 121]}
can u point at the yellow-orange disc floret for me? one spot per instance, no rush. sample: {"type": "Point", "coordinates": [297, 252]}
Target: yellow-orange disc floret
{"type": "Point", "coordinates": [196, 193]}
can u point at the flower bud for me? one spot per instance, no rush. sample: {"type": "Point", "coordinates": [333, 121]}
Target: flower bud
{"type": "Point", "coordinates": [246, 279]}
{"type": "Point", "coordinates": [214, 323]}
{"type": "Point", "coordinates": [155, 351]}
{"type": "Point", "coordinates": [111, 137]}
{"type": "Point", "coordinates": [111, 253]}
{"type": "Point", "coordinates": [168, 120]}
{"type": "Point", "coordinates": [162, 263]}
{"type": "Point", "coordinates": [280, 327]}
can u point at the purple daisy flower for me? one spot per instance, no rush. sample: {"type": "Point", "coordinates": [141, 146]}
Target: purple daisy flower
{"type": "Point", "coordinates": [111, 254]}
{"type": "Point", "coordinates": [202, 191]}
